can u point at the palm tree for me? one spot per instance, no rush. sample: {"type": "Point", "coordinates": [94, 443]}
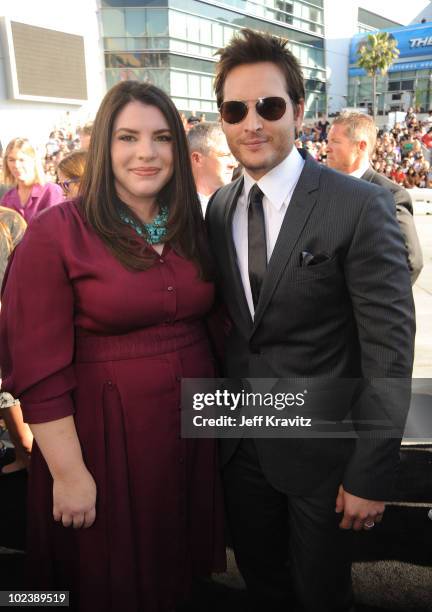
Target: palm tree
{"type": "Point", "coordinates": [376, 53]}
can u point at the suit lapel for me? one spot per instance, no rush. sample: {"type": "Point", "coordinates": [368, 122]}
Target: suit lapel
{"type": "Point", "coordinates": [368, 175]}
{"type": "Point", "coordinates": [238, 300]}
{"type": "Point", "coordinates": [302, 202]}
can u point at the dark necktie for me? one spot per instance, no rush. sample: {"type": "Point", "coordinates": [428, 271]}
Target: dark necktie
{"type": "Point", "coordinates": [257, 246]}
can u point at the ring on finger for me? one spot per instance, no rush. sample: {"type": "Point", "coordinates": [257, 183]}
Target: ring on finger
{"type": "Point", "coordinates": [369, 525]}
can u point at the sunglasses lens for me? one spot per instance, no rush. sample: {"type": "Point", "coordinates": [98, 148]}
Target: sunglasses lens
{"type": "Point", "coordinates": [233, 111]}
{"type": "Point", "coordinates": [272, 108]}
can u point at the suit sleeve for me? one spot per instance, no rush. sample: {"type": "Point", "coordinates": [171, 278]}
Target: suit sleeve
{"type": "Point", "coordinates": [36, 325]}
{"type": "Point", "coordinates": [378, 281]}
{"type": "Point", "coordinates": [409, 232]}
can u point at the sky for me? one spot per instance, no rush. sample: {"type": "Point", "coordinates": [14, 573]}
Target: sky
{"type": "Point", "coordinates": [402, 11]}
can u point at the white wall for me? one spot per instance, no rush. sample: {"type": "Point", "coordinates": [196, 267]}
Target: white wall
{"type": "Point", "coordinates": [426, 13]}
{"type": "Point", "coordinates": [340, 26]}
{"type": "Point", "coordinates": [35, 120]}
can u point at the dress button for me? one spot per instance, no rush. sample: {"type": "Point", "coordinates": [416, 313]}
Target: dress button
{"type": "Point", "coordinates": [170, 288]}
{"type": "Point", "coordinates": [161, 260]}
{"type": "Point", "coordinates": [109, 383]}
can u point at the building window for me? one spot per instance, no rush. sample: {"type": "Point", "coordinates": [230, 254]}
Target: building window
{"type": "Point", "coordinates": [394, 86]}
{"type": "Point", "coordinates": [136, 22]}
{"type": "Point", "coordinates": [179, 84]}
{"type": "Point", "coordinates": [407, 85]}
{"type": "Point", "coordinates": [113, 22]}
{"type": "Point", "coordinates": [136, 60]}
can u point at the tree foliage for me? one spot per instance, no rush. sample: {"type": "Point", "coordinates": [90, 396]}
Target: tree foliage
{"type": "Point", "coordinates": [376, 53]}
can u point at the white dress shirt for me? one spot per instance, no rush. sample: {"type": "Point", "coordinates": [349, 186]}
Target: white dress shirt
{"type": "Point", "coordinates": [360, 171]}
{"type": "Point", "coordinates": [204, 200]}
{"type": "Point", "coordinates": [277, 186]}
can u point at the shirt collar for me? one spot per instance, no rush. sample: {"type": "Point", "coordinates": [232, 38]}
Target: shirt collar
{"type": "Point", "coordinates": [361, 170]}
{"type": "Point", "coordinates": [278, 184]}
{"type": "Point", "coordinates": [36, 190]}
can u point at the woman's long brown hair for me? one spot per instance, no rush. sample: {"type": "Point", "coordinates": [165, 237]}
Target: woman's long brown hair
{"type": "Point", "coordinates": [185, 231]}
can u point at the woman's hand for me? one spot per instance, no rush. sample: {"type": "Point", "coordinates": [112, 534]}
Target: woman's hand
{"type": "Point", "coordinates": [75, 499]}
{"type": "Point", "coordinates": [74, 490]}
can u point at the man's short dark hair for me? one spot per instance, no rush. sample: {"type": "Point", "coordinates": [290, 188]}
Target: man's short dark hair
{"type": "Point", "coordinates": [249, 47]}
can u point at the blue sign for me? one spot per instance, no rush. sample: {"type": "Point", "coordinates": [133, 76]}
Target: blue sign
{"type": "Point", "coordinates": [403, 67]}
{"type": "Point", "coordinates": [413, 42]}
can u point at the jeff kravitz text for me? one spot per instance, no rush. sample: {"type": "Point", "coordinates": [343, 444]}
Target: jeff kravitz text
{"type": "Point", "coordinates": [255, 421]}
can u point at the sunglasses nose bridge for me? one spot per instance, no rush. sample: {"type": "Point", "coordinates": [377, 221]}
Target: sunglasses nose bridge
{"type": "Point", "coordinates": [253, 120]}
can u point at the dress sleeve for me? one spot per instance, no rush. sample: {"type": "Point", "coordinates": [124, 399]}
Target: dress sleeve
{"type": "Point", "coordinates": [36, 324]}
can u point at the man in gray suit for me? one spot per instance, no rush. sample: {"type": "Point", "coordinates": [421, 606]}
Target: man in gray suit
{"type": "Point", "coordinates": [211, 159]}
{"type": "Point", "coordinates": [351, 142]}
{"type": "Point", "coordinates": [312, 268]}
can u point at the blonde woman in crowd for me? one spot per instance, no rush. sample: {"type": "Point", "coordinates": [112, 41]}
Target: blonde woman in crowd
{"type": "Point", "coordinates": [22, 170]}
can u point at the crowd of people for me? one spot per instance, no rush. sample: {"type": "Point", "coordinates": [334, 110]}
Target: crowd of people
{"type": "Point", "coordinates": [402, 153]}
{"type": "Point", "coordinates": [132, 291]}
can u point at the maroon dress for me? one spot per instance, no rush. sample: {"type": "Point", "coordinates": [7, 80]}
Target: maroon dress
{"type": "Point", "coordinates": [82, 335]}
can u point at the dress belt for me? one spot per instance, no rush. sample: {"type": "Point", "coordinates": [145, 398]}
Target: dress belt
{"type": "Point", "coordinates": [146, 342]}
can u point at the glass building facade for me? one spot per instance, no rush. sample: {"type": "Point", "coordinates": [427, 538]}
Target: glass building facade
{"type": "Point", "coordinates": [172, 43]}
{"type": "Point", "coordinates": [395, 92]}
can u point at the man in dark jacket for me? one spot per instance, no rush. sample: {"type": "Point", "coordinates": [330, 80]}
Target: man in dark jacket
{"type": "Point", "coordinates": [311, 265]}
{"type": "Point", "coordinates": [351, 142]}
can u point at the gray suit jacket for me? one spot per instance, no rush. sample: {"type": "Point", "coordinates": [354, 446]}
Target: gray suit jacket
{"type": "Point", "coordinates": [404, 213]}
{"type": "Point", "coordinates": [350, 316]}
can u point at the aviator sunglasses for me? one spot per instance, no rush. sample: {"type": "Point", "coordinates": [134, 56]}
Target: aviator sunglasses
{"type": "Point", "coordinates": [270, 109]}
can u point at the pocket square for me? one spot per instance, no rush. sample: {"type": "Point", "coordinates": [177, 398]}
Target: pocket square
{"type": "Point", "coordinates": [308, 259]}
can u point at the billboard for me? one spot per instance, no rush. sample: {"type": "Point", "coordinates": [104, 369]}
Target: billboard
{"type": "Point", "coordinates": [44, 65]}
{"type": "Point", "coordinates": [414, 44]}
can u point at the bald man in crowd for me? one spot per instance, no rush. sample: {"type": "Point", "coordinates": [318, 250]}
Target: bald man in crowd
{"type": "Point", "coordinates": [212, 161]}
{"type": "Point", "coordinates": [351, 142]}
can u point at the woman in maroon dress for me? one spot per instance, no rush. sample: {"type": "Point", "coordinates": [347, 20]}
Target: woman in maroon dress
{"type": "Point", "coordinates": [102, 315]}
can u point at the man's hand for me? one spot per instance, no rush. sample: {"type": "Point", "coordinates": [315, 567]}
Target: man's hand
{"type": "Point", "coordinates": [358, 513]}
{"type": "Point", "coordinates": [75, 499]}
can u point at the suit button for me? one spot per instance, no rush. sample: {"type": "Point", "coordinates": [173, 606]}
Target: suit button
{"type": "Point", "coordinates": [170, 288]}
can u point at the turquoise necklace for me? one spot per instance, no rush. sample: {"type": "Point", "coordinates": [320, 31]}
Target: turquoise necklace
{"type": "Point", "coordinates": [153, 232]}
